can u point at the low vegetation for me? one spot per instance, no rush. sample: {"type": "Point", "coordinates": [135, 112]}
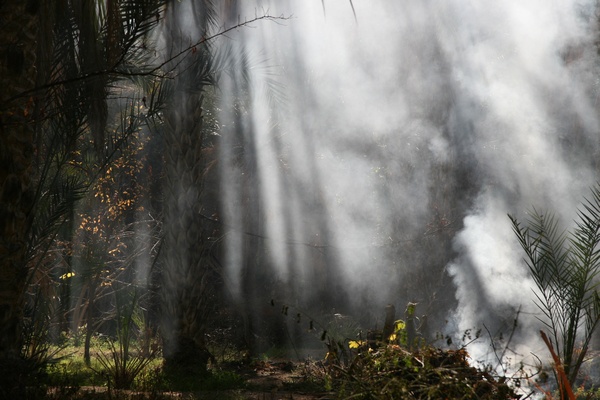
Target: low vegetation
{"type": "Point", "coordinates": [371, 369]}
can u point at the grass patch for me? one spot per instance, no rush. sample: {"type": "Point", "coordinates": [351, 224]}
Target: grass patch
{"type": "Point", "coordinates": [70, 369]}
{"type": "Point", "coordinates": [215, 380]}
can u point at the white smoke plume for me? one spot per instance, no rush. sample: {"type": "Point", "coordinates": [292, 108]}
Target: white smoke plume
{"type": "Point", "coordinates": [374, 109]}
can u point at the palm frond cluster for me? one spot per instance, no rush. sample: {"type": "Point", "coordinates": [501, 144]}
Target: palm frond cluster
{"type": "Point", "coordinates": [86, 111]}
{"type": "Point", "coordinates": [85, 49]}
{"type": "Point", "coordinates": [565, 268]}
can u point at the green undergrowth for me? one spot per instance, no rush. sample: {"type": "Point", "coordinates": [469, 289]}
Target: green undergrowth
{"type": "Point", "coordinates": [68, 372]}
{"type": "Point", "coordinates": [215, 380]}
{"type": "Point", "coordinates": [351, 370]}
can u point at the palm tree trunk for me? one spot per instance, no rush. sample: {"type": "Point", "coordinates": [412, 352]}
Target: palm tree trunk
{"type": "Point", "coordinates": [185, 274]}
{"type": "Point", "coordinates": [185, 277]}
{"type": "Point", "coordinates": [18, 31]}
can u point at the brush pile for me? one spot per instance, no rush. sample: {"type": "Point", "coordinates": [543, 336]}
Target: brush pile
{"type": "Point", "coordinates": [393, 372]}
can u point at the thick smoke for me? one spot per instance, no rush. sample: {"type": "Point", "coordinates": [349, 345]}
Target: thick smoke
{"type": "Point", "coordinates": [399, 141]}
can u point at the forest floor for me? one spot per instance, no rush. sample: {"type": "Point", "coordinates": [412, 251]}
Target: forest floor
{"type": "Point", "coordinates": [263, 380]}
{"type": "Point", "coordinates": [283, 380]}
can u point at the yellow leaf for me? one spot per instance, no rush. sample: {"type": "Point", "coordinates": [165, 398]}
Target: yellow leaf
{"type": "Point", "coordinates": [67, 275]}
{"type": "Point", "coordinates": [399, 325]}
{"type": "Point", "coordinates": [355, 344]}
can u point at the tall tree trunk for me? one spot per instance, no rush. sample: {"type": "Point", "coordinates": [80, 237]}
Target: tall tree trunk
{"type": "Point", "coordinates": [186, 276]}
{"type": "Point", "coordinates": [185, 273]}
{"type": "Point", "coordinates": [18, 30]}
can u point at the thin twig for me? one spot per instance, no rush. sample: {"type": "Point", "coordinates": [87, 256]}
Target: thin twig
{"type": "Point", "coordinates": [114, 70]}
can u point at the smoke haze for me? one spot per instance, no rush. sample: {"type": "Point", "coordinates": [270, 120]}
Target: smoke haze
{"type": "Point", "coordinates": [389, 150]}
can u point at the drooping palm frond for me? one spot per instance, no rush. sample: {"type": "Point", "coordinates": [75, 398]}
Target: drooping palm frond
{"type": "Point", "coordinates": [97, 43]}
{"type": "Point", "coordinates": [544, 246]}
{"type": "Point", "coordinates": [585, 267]}
{"type": "Point", "coordinates": [252, 73]}
{"type": "Point", "coordinates": [86, 37]}
{"type": "Point", "coordinates": [55, 206]}
{"type": "Point", "coordinates": [59, 184]}
{"type": "Point", "coordinates": [136, 46]}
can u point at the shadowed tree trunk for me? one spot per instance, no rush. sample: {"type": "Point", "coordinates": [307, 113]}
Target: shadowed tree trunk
{"type": "Point", "coordinates": [18, 29]}
{"type": "Point", "coordinates": [186, 275]}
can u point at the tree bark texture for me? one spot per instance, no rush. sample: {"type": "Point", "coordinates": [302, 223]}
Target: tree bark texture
{"type": "Point", "coordinates": [186, 275]}
{"type": "Point", "coordinates": [18, 30]}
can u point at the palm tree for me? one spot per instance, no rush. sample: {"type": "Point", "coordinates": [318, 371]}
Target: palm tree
{"type": "Point", "coordinates": [186, 275]}
{"type": "Point", "coordinates": [565, 267]}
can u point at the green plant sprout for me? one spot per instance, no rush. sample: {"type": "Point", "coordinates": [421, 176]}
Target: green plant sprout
{"type": "Point", "coordinates": [120, 364]}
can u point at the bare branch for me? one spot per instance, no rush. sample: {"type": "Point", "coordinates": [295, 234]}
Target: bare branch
{"type": "Point", "coordinates": [154, 72]}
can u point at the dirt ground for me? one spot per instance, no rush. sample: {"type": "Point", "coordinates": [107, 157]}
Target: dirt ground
{"type": "Point", "coordinates": [265, 380]}
{"type": "Point", "coordinates": [280, 380]}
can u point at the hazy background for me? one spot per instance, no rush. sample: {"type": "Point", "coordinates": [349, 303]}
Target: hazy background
{"type": "Point", "coordinates": [386, 151]}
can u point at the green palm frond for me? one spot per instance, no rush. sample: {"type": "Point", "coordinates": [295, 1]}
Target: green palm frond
{"type": "Point", "coordinates": [53, 208]}
{"type": "Point", "coordinates": [565, 268]}
{"type": "Point", "coordinates": [73, 106]}
{"type": "Point", "coordinates": [205, 13]}
{"type": "Point", "coordinates": [137, 47]}
{"type": "Point", "coordinates": [544, 246]}
{"type": "Point", "coordinates": [129, 122]}
{"type": "Point", "coordinates": [247, 68]}
{"type": "Point", "coordinates": [97, 43]}
{"type": "Point", "coordinates": [585, 239]}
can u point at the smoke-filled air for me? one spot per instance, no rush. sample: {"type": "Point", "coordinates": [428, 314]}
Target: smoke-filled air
{"type": "Point", "coordinates": [354, 198]}
{"type": "Point", "coordinates": [388, 141]}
